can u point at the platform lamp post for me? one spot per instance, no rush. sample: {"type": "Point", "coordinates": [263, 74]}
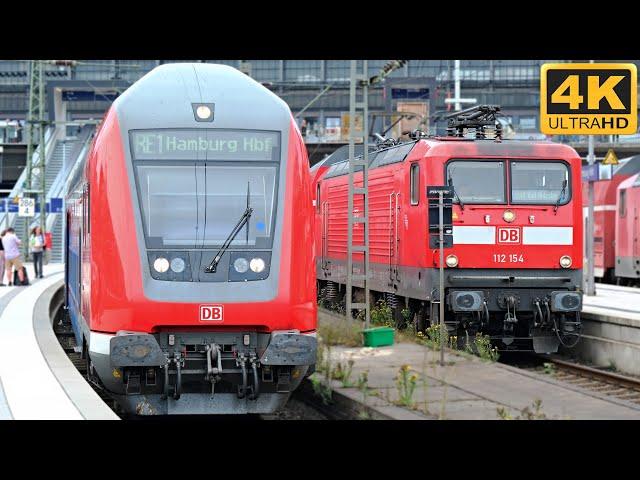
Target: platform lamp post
{"type": "Point", "coordinates": [590, 281]}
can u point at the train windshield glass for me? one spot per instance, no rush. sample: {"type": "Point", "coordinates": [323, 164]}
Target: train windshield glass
{"type": "Point", "coordinates": [539, 182]}
{"type": "Point", "coordinates": [197, 206]}
{"type": "Point", "coordinates": [477, 181]}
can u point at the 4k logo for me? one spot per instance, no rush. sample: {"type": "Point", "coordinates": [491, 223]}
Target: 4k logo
{"type": "Point", "coordinates": [211, 313]}
{"type": "Point", "coordinates": [588, 98]}
{"type": "Point", "coordinates": [508, 235]}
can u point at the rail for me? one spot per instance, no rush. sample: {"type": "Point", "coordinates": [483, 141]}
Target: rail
{"type": "Point", "coordinates": [602, 381]}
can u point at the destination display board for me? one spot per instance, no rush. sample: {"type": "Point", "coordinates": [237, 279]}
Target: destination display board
{"type": "Point", "coordinates": [205, 144]}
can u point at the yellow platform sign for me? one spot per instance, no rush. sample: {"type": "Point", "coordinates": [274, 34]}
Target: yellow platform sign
{"type": "Point", "coordinates": [610, 158]}
{"type": "Point", "coordinates": [588, 98]}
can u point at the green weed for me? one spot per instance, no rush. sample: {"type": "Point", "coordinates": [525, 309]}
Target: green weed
{"type": "Point", "coordinates": [527, 413]}
{"type": "Point", "coordinates": [382, 315]}
{"type": "Point", "coordinates": [343, 373]}
{"type": "Point", "coordinates": [406, 382]}
{"type": "Point", "coordinates": [321, 389]}
{"type": "Point", "coordinates": [484, 348]}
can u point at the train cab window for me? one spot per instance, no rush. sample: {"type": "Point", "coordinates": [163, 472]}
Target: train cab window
{"type": "Point", "coordinates": [318, 197]}
{"type": "Point", "coordinates": [540, 182]}
{"type": "Point", "coordinates": [414, 181]}
{"type": "Point", "coordinates": [623, 203]}
{"type": "Point", "coordinates": [477, 181]}
{"type": "Point", "coordinates": [194, 186]}
{"type": "Point", "coordinates": [199, 206]}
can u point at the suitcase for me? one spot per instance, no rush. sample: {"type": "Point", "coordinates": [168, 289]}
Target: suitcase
{"type": "Point", "coordinates": [16, 279]}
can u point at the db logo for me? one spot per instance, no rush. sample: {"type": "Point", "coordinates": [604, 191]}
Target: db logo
{"type": "Point", "coordinates": [210, 313]}
{"type": "Point", "coordinates": [509, 235]}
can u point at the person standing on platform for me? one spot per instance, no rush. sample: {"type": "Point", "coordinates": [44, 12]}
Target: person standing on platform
{"type": "Point", "coordinates": [36, 244]}
{"type": "Point", "coordinates": [2, 259]}
{"type": "Point", "coordinates": [11, 245]}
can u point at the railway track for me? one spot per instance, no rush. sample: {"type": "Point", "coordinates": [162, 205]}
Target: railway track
{"type": "Point", "coordinates": [604, 382]}
{"type": "Point", "coordinates": [64, 333]}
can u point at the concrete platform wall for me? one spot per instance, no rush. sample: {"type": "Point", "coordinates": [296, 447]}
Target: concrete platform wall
{"type": "Point", "coordinates": [608, 342]}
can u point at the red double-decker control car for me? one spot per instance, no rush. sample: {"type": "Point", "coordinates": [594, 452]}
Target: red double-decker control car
{"type": "Point", "coordinates": [189, 274]}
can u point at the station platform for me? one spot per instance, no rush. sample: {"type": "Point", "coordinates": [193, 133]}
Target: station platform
{"type": "Point", "coordinates": [465, 387]}
{"type": "Point", "coordinates": [611, 335]}
{"type": "Point", "coordinates": [614, 303]}
{"type": "Point", "coordinates": [37, 379]}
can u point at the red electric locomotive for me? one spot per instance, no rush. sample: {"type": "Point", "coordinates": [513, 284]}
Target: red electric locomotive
{"type": "Point", "coordinates": [339, 155]}
{"type": "Point", "coordinates": [604, 222]}
{"type": "Point", "coordinates": [515, 269]}
{"type": "Point", "coordinates": [189, 277]}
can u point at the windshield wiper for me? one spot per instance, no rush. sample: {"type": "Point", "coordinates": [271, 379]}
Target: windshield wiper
{"type": "Point", "coordinates": [564, 189]}
{"type": "Point", "coordinates": [243, 220]}
{"type": "Point", "coordinates": [456, 193]}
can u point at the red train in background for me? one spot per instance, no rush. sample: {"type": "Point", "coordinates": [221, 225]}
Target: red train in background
{"type": "Point", "coordinates": [605, 219]}
{"type": "Point", "coordinates": [515, 269]}
{"type": "Point", "coordinates": [627, 232]}
{"type": "Point", "coordinates": [189, 274]}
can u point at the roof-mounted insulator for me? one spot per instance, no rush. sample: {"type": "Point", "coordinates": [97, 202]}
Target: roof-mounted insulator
{"type": "Point", "coordinates": [386, 70]}
{"type": "Point", "coordinates": [417, 134]}
{"type": "Point", "coordinates": [478, 118]}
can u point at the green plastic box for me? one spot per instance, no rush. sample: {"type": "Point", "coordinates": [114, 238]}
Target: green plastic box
{"type": "Point", "coordinates": [378, 336]}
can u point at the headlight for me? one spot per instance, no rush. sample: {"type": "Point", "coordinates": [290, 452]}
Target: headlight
{"type": "Point", "coordinates": [509, 216]}
{"type": "Point", "coordinates": [241, 265]}
{"type": "Point", "coordinates": [177, 265]}
{"type": "Point", "coordinates": [451, 261]}
{"type": "Point", "coordinates": [203, 112]}
{"type": "Point", "coordinates": [565, 261]}
{"type": "Point", "coordinates": [257, 265]}
{"type": "Point", "coordinates": [161, 264]}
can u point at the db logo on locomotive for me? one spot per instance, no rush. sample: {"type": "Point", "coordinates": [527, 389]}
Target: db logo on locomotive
{"type": "Point", "coordinates": [210, 313]}
{"type": "Point", "coordinates": [509, 235]}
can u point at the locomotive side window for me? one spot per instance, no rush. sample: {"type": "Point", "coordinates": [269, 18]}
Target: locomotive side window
{"type": "Point", "coordinates": [415, 183]}
{"type": "Point", "coordinates": [623, 203]}
{"type": "Point", "coordinates": [540, 182]}
{"type": "Point", "coordinates": [318, 197]}
{"type": "Point", "coordinates": [477, 181]}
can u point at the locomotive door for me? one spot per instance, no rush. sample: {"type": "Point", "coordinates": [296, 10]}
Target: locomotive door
{"type": "Point", "coordinates": [394, 240]}
{"type": "Point", "coordinates": [396, 235]}
{"type": "Point", "coordinates": [324, 247]}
